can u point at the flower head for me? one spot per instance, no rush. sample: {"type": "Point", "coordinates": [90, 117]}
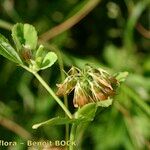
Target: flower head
{"type": "Point", "coordinates": [90, 85]}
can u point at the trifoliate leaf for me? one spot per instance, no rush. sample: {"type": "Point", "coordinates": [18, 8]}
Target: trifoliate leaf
{"type": "Point", "coordinates": [24, 35]}
{"type": "Point", "coordinates": [8, 51]}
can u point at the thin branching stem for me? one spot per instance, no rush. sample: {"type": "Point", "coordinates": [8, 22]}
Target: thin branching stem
{"type": "Point", "coordinates": [5, 25]}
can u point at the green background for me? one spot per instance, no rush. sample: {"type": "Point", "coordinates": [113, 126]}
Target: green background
{"type": "Point", "coordinates": [114, 35]}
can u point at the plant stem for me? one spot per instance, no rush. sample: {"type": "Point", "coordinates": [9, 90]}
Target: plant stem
{"type": "Point", "coordinates": [5, 25]}
{"type": "Point", "coordinates": [51, 92]}
{"type": "Point", "coordinates": [61, 67]}
{"type": "Point", "coordinates": [67, 24]}
{"type": "Point", "coordinates": [72, 137]}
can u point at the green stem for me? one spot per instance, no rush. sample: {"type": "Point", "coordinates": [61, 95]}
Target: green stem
{"type": "Point", "coordinates": [61, 67]}
{"type": "Point", "coordinates": [72, 137]}
{"type": "Point", "coordinates": [5, 25]}
{"type": "Point", "coordinates": [50, 91]}
{"type": "Point", "coordinates": [74, 19]}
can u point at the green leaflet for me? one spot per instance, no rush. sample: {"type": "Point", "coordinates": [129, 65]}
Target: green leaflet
{"type": "Point", "coordinates": [48, 60]}
{"type": "Point", "coordinates": [84, 114]}
{"type": "Point", "coordinates": [55, 121]}
{"type": "Point", "coordinates": [8, 51]}
{"type": "Point", "coordinates": [30, 36]}
{"type": "Point", "coordinates": [87, 112]}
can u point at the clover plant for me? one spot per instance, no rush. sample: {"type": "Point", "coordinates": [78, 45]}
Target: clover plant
{"type": "Point", "coordinates": [92, 87]}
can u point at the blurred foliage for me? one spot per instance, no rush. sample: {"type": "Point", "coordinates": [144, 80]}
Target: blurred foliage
{"type": "Point", "coordinates": [114, 35]}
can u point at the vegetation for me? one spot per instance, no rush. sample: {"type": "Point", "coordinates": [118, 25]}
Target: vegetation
{"type": "Point", "coordinates": [87, 34]}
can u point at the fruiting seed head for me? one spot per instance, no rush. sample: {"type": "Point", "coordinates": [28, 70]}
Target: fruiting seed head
{"type": "Point", "coordinates": [90, 85]}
